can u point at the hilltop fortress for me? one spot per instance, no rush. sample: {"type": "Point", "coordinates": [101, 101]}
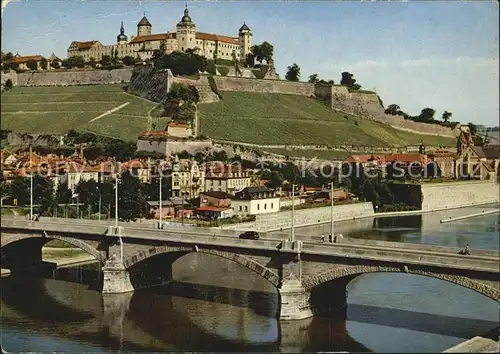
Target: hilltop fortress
{"type": "Point", "coordinates": [145, 43]}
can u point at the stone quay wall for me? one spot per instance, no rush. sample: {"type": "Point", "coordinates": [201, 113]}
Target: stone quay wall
{"type": "Point", "coordinates": [305, 217]}
{"type": "Point", "coordinates": [458, 194]}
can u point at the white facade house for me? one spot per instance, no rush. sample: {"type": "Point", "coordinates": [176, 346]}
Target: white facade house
{"type": "Point", "coordinates": [254, 201]}
{"type": "Point", "coordinates": [226, 178]}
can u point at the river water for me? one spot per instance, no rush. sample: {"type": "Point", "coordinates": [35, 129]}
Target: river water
{"type": "Point", "coordinates": [216, 305]}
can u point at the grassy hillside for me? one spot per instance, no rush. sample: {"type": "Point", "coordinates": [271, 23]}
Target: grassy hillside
{"type": "Point", "coordinates": [264, 118]}
{"type": "Point", "coordinates": [56, 110]}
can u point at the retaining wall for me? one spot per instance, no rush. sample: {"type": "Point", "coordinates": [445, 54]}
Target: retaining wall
{"type": "Point", "coordinates": [458, 194]}
{"type": "Point", "coordinates": [260, 85]}
{"type": "Point", "coordinates": [71, 78]}
{"type": "Point", "coordinates": [305, 217]}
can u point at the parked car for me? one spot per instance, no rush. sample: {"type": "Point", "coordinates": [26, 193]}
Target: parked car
{"type": "Point", "coordinates": [250, 235]}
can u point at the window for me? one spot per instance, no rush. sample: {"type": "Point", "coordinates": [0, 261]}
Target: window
{"type": "Point", "coordinates": [246, 208]}
{"type": "Point", "coordinates": [258, 206]}
{"type": "Point", "coordinates": [240, 208]}
{"type": "Point", "coordinates": [265, 205]}
{"type": "Point", "coordinates": [272, 206]}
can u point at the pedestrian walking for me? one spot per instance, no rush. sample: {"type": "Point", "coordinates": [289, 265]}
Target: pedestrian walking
{"type": "Point", "coordinates": [467, 249]}
{"type": "Point", "coordinates": [330, 238]}
{"type": "Point", "coordinates": [322, 237]}
{"type": "Point", "coordinates": [334, 239]}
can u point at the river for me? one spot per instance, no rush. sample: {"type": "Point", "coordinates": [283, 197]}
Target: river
{"type": "Point", "coordinates": [214, 305]}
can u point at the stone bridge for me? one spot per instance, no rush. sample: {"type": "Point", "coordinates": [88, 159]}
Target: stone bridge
{"type": "Point", "coordinates": [310, 277]}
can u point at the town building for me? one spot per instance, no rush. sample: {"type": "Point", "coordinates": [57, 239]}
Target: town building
{"type": "Point", "coordinates": [187, 178]}
{"type": "Point", "coordinates": [226, 178]}
{"type": "Point", "coordinates": [255, 200]}
{"type": "Point", "coordinates": [144, 44]}
{"type": "Point", "coordinates": [215, 199]}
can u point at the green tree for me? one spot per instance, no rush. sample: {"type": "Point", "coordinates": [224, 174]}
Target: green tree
{"type": "Point", "coordinates": [106, 60]}
{"type": "Point", "coordinates": [293, 73]}
{"type": "Point", "coordinates": [392, 109]}
{"type": "Point", "coordinates": [446, 116]}
{"type": "Point", "coordinates": [181, 63]}
{"type": "Point", "coordinates": [183, 92]}
{"type": "Point", "coordinates": [92, 62]}
{"type": "Point", "coordinates": [9, 56]}
{"type": "Point", "coordinates": [257, 53]}
{"type": "Point", "coordinates": [349, 81]}
{"type": "Point", "coordinates": [63, 194]}
{"type": "Point", "coordinates": [427, 114]}
{"type": "Point", "coordinates": [43, 192]}
{"type": "Point", "coordinates": [128, 60]}
{"type": "Point", "coordinates": [267, 50]}
{"type": "Point", "coordinates": [55, 64]}
{"type": "Point", "coordinates": [185, 113]}
{"type": "Point", "coordinates": [74, 62]}
{"type": "Point", "coordinates": [313, 79]}
{"type": "Point", "coordinates": [131, 202]}
{"type": "Point", "coordinates": [32, 65]}
{"type": "Point", "coordinates": [8, 84]}
{"type": "Point", "coordinates": [44, 64]}
{"type": "Point", "coordinates": [250, 60]}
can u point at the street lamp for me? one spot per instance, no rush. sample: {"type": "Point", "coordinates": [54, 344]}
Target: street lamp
{"type": "Point", "coordinates": [331, 213]}
{"type": "Point", "coordinates": [116, 217]}
{"type": "Point", "coordinates": [293, 213]}
{"type": "Point", "coordinates": [160, 174]}
{"type": "Point", "coordinates": [31, 191]}
{"type": "Point", "coordinates": [182, 206]}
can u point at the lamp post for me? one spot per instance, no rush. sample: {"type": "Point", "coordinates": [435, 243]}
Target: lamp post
{"type": "Point", "coordinates": [31, 192]}
{"type": "Point", "coordinates": [100, 201]}
{"type": "Point", "coordinates": [160, 172]}
{"type": "Point", "coordinates": [293, 213]}
{"type": "Point", "coordinates": [116, 201]}
{"type": "Point", "coordinates": [116, 217]}
{"type": "Point", "coordinates": [331, 212]}
{"type": "Point", "coordinates": [182, 206]}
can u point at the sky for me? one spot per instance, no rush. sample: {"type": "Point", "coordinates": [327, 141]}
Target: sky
{"type": "Point", "coordinates": [439, 54]}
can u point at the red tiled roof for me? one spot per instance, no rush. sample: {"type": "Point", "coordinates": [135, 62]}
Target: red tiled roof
{"type": "Point", "coordinates": [211, 208]}
{"type": "Point", "coordinates": [135, 163]}
{"type": "Point", "coordinates": [153, 37]}
{"type": "Point", "coordinates": [20, 60]}
{"type": "Point", "coordinates": [155, 133]}
{"type": "Point", "coordinates": [177, 125]}
{"type": "Point", "coordinates": [216, 37]}
{"type": "Point", "coordinates": [83, 45]}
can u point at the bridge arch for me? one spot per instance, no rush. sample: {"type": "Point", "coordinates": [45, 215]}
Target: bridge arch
{"type": "Point", "coordinates": [9, 239]}
{"type": "Point", "coordinates": [246, 262]}
{"type": "Point", "coordinates": [352, 271]}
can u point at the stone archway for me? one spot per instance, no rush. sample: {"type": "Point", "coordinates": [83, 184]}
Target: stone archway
{"type": "Point", "coordinates": [6, 240]}
{"type": "Point", "coordinates": [349, 271]}
{"type": "Point", "coordinates": [246, 262]}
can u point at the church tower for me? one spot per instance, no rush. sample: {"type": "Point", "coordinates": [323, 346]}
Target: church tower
{"type": "Point", "coordinates": [186, 32]}
{"type": "Point", "coordinates": [122, 38]}
{"type": "Point", "coordinates": [245, 41]}
{"type": "Point", "coordinates": [144, 27]}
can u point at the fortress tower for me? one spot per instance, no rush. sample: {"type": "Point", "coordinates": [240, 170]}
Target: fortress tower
{"type": "Point", "coordinates": [186, 32]}
{"type": "Point", "coordinates": [245, 41]}
{"type": "Point", "coordinates": [122, 38]}
{"type": "Point", "coordinates": [144, 27]}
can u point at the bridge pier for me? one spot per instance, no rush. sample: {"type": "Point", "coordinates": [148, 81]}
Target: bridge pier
{"type": "Point", "coordinates": [116, 279]}
{"type": "Point", "coordinates": [294, 301]}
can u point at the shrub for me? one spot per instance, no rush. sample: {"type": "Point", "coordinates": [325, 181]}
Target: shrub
{"type": "Point", "coordinates": [8, 84]}
{"type": "Point", "coordinates": [223, 70]}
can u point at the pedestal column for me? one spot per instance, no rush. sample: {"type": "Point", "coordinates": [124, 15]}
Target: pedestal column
{"type": "Point", "coordinates": [116, 279]}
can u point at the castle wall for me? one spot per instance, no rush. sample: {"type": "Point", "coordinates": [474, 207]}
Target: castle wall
{"type": "Point", "coordinates": [70, 78]}
{"type": "Point", "coordinates": [225, 83]}
{"type": "Point", "coordinates": [192, 147]}
{"type": "Point", "coordinates": [150, 84]}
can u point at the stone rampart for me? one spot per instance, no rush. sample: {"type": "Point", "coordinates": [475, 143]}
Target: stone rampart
{"type": "Point", "coordinates": [72, 78]}
{"type": "Point", "coordinates": [192, 147]}
{"type": "Point", "coordinates": [150, 84]}
{"type": "Point", "coordinates": [440, 196]}
{"type": "Point", "coordinates": [260, 85]}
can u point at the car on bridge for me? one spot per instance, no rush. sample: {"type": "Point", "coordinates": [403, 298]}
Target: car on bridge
{"type": "Point", "coordinates": [250, 235]}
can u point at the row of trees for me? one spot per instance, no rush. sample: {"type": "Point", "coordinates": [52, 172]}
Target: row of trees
{"type": "Point", "coordinates": [91, 196]}
{"type": "Point", "coordinates": [347, 79]}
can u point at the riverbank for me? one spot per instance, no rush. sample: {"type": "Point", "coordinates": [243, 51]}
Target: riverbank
{"type": "Point", "coordinates": [63, 257]}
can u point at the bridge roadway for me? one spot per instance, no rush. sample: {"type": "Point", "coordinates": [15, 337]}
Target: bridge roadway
{"type": "Point", "coordinates": [294, 268]}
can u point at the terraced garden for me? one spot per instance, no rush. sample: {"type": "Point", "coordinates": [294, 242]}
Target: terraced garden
{"type": "Point", "coordinates": [56, 110]}
{"type": "Point", "coordinates": [279, 119]}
